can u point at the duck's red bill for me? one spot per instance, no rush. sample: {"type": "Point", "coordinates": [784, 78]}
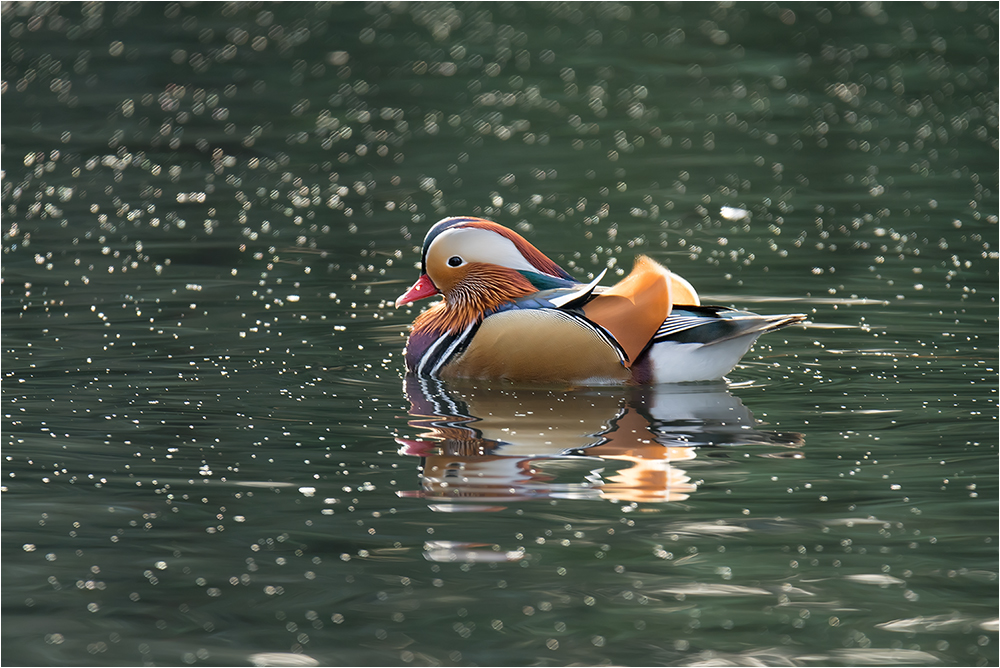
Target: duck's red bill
{"type": "Point", "coordinates": [418, 448]}
{"type": "Point", "coordinates": [422, 288]}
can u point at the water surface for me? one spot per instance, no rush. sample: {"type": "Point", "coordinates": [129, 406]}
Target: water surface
{"type": "Point", "coordinates": [211, 456]}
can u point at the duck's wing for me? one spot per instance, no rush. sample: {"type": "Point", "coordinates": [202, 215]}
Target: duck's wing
{"type": "Point", "coordinates": [560, 294]}
{"type": "Point", "coordinates": [635, 308]}
{"type": "Point", "coordinates": [574, 298]}
{"type": "Point", "coordinates": [714, 324]}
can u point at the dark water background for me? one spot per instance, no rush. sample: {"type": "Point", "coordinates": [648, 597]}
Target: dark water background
{"type": "Point", "coordinates": [210, 457]}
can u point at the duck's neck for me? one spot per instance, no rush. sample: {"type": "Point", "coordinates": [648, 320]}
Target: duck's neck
{"type": "Point", "coordinates": [480, 293]}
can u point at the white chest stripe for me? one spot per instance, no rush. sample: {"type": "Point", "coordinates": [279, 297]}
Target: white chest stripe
{"type": "Point", "coordinates": [428, 355]}
{"type": "Point", "coordinates": [431, 358]}
{"type": "Point", "coordinates": [459, 341]}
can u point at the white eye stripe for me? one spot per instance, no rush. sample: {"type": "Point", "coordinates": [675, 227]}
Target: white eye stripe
{"type": "Point", "coordinates": [478, 245]}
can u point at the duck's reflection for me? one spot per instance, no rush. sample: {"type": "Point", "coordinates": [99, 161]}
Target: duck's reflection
{"type": "Point", "coordinates": [485, 446]}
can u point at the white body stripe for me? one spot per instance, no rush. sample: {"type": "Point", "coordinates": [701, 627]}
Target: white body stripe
{"type": "Point", "coordinates": [459, 340]}
{"type": "Point", "coordinates": [428, 355]}
{"type": "Point", "coordinates": [559, 302]}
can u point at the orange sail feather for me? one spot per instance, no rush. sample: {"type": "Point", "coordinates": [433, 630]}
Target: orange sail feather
{"type": "Point", "coordinates": [633, 309]}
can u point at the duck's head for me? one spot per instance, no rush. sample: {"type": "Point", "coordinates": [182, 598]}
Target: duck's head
{"type": "Point", "coordinates": [479, 264]}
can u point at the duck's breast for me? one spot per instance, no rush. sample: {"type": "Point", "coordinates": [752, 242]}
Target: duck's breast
{"type": "Point", "coordinates": [539, 345]}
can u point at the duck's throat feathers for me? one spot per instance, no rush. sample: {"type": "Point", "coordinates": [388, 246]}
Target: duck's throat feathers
{"type": "Point", "coordinates": [483, 290]}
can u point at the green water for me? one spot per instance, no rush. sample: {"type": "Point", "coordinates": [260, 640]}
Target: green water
{"type": "Point", "coordinates": [210, 455]}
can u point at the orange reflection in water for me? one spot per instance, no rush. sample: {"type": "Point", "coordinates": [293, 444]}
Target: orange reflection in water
{"type": "Point", "coordinates": [485, 446]}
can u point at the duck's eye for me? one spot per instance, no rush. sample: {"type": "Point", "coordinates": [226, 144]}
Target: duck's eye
{"type": "Point", "coordinates": [455, 261]}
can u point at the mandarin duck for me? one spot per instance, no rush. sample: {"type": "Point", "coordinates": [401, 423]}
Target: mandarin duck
{"type": "Point", "coordinates": [511, 313]}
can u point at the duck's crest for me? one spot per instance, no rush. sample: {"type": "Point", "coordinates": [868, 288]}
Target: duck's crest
{"type": "Point", "coordinates": [534, 256]}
